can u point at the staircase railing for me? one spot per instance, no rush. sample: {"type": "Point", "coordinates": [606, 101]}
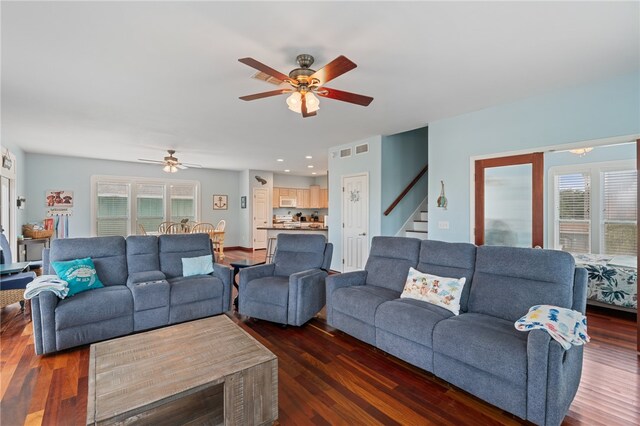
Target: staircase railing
{"type": "Point", "coordinates": [406, 191]}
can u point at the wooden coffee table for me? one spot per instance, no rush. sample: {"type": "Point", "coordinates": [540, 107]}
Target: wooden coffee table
{"type": "Point", "coordinates": [208, 371]}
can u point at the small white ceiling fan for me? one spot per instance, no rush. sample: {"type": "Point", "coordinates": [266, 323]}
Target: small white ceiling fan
{"type": "Point", "coordinates": [171, 163]}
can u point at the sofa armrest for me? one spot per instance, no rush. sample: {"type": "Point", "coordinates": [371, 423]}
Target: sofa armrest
{"type": "Point", "coordinates": [307, 295]}
{"type": "Point", "coordinates": [553, 378]}
{"type": "Point", "coordinates": [145, 277]}
{"type": "Point", "coordinates": [255, 272]}
{"type": "Point", "coordinates": [337, 281]}
{"type": "Point", "coordinates": [43, 312]}
{"type": "Point", "coordinates": [225, 274]}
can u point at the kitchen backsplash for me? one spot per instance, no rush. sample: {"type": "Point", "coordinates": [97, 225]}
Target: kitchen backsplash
{"type": "Point", "coordinates": [305, 212]}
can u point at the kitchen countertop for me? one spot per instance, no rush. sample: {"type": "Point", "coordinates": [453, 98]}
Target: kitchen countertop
{"type": "Point", "coordinates": [294, 228]}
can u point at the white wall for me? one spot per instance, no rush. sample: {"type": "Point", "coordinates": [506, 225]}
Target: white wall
{"type": "Point", "coordinates": [371, 163]}
{"type": "Point", "coordinates": [599, 110]}
{"type": "Point", "coordinates": [45, 172]}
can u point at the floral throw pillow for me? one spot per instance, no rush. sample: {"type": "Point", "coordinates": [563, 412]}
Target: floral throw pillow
{"type": "Point", "coordinates": [440, 291]}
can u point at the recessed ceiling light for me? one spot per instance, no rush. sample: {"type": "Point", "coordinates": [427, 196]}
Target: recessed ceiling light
{"type": "Point", "coordinates": [313, 173]}
{"type": "Point", "coordinates": [310, 166]}
{"type": "Point", "coordinates": [287, 170]}
{"type": "Point", "coordinates": [308, 157]}
{"type": "Point", "coordinates": [280, 160]}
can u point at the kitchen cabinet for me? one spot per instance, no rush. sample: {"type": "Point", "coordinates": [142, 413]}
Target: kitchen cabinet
{"type": "Point", "coordinates": [307, 198]}
{"type": "Point", "coordinates": [324, 198]}
{"type": "Point", "coordinates": [314, 196]}
{"type": "Point", "coordinates": [300, 199]}
{"type": "Point", "coordinates": [276, 198]}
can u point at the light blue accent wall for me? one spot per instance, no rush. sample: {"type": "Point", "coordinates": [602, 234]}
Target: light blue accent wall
{"type": "Point", "coordinates": [598, 155]}
{"type": "Point", "coordinates": [292, 181]}
{"type": "Point", "coordinates": [47, 172]}
{"type": "Point", "coordinates": [403, 156]}
{"type": "Point", "coordinates": [595, 111]}
{"type": "Point", "coordinates": [338, 167]}
{"type": "Point", "coordinates": [21, 179]}
{"type": "Point", "coordinates": [245, 214]}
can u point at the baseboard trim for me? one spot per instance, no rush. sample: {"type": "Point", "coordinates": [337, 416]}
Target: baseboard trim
{"type": "Point", "coordinates": [240, 248]}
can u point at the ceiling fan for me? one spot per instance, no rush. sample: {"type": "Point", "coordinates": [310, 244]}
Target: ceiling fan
{"type": "Point", "coordinates": [171, 163]}
{"type": "Point", "coordinates": [305, 82]}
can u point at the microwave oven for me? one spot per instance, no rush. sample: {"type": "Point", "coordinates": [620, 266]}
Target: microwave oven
{"type": "Point", "coordinates": [287, 202]}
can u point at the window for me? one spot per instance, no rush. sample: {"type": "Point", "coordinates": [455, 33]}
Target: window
{"type": "Point", "coordinates": [126, 206]}
{"type": "Point", "coordinates": [595, 208]}
{"type": "Point", "coordinates": [574, 212]}
{"type": "Point", "coordinates": [619, 221]}
{"type": "Point", "coordinates": [112, 209]}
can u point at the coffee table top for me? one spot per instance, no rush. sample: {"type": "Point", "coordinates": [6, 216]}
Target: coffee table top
{"type": "Point", "coordinates": [245, 263]}
{"type": "Point", "coordinates": [143, 370]}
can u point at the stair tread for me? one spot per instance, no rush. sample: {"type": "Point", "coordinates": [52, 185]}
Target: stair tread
{"type": "Point", "coordinates": [425, 221]}
{"type": "Point", "coordinates": [420, 232]}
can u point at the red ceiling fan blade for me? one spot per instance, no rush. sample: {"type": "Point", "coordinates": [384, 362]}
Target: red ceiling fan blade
{"type": "Point", "coordinates": [333, 69]}
{"type": "Point", "coordinates": [340, 95]}
{"type": "Point", "coordinates": [265, 94]}
{"type": "Point", "coordinates": [265, 69]}
{"type": "Point", "coordinates": [303, 108]}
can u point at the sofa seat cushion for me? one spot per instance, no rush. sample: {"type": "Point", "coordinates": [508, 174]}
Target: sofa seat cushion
{"type": "Point", "coordinates": [92, 306]}
{"type": "Point", "coordinates": [195, 288]}
{"type": "Point", "coordinates": [272, 290]}
{"type": "Point", "coordinates": [412, 319]}
{"type": "Point", "coordinates": [487, 343]}
{"type": "Point", "coordinates": [362, 301]}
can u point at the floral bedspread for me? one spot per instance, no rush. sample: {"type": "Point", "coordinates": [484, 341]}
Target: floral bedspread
{"type": "Point", "coordinates": [610, 281]}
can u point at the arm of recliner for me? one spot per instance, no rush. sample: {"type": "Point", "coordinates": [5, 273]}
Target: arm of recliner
{"type": "Point", "coordinates": [255, 272]}
{"type": "Point", "coordinates": [307, 295]}
{"type": "Point", "coordinates": [334, 282]}
{"type": "Point", "coordinates": [553, 378]}
{"type": "Point", "coordinates": [43, 312]}
{"type": "Point", "coordinates": [225, 274]}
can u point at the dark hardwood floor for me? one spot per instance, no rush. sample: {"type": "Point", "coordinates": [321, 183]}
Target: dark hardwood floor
{"type": "Point", "coordinates": [329, 378]}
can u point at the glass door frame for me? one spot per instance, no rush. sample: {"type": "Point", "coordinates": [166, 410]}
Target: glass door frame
{"type": "Point", "coordinates": [536, 160]}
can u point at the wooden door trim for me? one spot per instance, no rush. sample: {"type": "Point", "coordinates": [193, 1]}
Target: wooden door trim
{"type": "Point", "coordinates": [536, 160]}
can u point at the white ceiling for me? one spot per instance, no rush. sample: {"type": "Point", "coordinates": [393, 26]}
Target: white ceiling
{"type": "Point", "coordinates": [125, 80]}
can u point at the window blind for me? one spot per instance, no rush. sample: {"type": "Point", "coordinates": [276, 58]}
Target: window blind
{"type": "Point", "coordinates": [573, 230]}
{"type": "Point", "coordinates": [112, 209]}
{"type": "Point", "coordinates": [150, 205]}
{"type": "Point", "coordinates": [619, 212]}
{"type": "Point", "coordinates": [183, 204]}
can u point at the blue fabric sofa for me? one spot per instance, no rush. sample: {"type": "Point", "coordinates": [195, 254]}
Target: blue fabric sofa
{"type": "Point", "coordinates": [143, 288]}
{"type": "Point", "coordinates": [525, 373]}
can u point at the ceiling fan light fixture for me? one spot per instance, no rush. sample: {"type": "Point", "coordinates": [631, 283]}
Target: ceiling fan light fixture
{"type": "Point", "coordinates": [170, 168]}
{"type": "Point", "coordinates": [581, 152]}
{"type": "Point", "coordinates": [294, 101]}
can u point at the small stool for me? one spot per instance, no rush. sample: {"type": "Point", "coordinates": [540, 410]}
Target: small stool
{"type": "Point", "coordinates": [271, 249]}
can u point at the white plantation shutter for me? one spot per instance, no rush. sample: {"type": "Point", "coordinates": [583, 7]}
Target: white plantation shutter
{"type": "Point", "coordinates": [112, 209]}
{"type": "Point", "coordinates": [183, 202]}
{"type": "Point", "coordinates": [150, 205]}
{"type": "Point", "coordinates": [619, 213]}
{"type": "Point", "coordinates": [573, 201]}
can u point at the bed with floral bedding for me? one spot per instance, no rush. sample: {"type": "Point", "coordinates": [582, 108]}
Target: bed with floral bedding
{"type": "Point", "coordinates": [612, 280]}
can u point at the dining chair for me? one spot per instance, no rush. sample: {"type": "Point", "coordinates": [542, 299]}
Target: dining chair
{"type": "Point", "coordinates": [162, 228]}
{"type": "Point", "coordinates": [142, 230]}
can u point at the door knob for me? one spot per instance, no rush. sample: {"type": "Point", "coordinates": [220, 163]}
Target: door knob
{"type": "Point", "coordinates": [362, 235]}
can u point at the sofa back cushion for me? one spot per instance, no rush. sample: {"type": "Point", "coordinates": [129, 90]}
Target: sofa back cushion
{"type": "Point", "coordinates": [107, 253]}
{"type": "Point", "coordinates": [174, 247]}
{"type": "Point", "coordinates": [454, 260]}
{"type": "Point", "coordinates": [389, 261]}
{"type": "Point", "coordinates": [509, 280]}
{"type": "Point", "coordinates": [298, 252]}
{"type": "Point", "coordinates": [142, 253]}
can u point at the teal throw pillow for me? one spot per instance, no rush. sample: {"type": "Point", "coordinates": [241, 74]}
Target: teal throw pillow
{"type": "Point", "coordinates": [202, 265]}
{"type": "Point", "coordinates": [80, 274]}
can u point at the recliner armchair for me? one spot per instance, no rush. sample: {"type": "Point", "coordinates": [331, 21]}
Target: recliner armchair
{"type": "Point", "coordinates": [291, 290]}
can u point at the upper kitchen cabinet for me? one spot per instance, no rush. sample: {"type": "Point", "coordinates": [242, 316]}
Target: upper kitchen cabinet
{"type": "Point", "coordinates": [314, 196]}
{"type": "Point", "coordinates": [276, 197]}
{"type": "Point", "coordinates": [324, 198]}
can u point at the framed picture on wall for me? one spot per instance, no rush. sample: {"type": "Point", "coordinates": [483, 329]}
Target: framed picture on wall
{"type": "Point", "coordinates": [243, 202]}
{"type": "Point", "coordinates": [58, 198]}
{"type": "Point", "coordinates": [220, 202]}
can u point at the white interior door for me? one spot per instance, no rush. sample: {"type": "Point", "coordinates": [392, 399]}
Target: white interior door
{"type": "Point", "coordinates": [355, 221]}
{"type": "Point", "coordinates": [260, 217]}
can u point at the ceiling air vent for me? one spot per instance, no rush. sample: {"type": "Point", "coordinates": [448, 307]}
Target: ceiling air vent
{"type": "Point", "coordinates": [362, 149]}
{"type": "Point", "coordinates": [345, 153]}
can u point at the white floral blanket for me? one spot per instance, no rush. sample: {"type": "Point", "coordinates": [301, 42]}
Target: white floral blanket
{"type": "Point", "coordinates": [566, 326]}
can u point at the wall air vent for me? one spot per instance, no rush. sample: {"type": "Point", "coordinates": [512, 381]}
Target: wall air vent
{"type": "Point", "coordinates": [362, 149]}
{"type": "Point", "coordinates": [344, 153]}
